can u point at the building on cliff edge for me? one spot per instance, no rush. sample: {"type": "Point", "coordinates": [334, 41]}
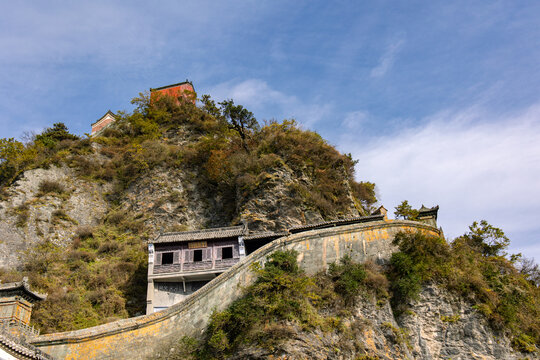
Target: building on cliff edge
{"type": "Point", "coordinates": [180, 263]}
{"type": "Point", "coordinates": [177, 91]}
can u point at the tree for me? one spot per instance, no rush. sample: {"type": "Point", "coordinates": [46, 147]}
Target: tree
{"type": "Point", "coordinates": [530, 270]}
{"type": "Point", "coordinates": [240, 119]}
{"type": "Point", "coordinates": [10, 153]}
{"type": "Point", "coordinates": [365, 192]}
{"type": "Point", "coordinates": [51, 136]}
{"type": "Point", "coordinates": [405, 211]}
{"type": "Point", "coordinates": [486, 239]}
{"type": "Point", "coordinates": [210, 106]}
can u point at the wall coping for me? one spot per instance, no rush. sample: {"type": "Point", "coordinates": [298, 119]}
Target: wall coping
{"type": "Point", "coordinates": [142, 321]}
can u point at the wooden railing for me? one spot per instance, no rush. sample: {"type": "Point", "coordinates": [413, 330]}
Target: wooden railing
{"type": "Point", "coordinates": [19, 326]}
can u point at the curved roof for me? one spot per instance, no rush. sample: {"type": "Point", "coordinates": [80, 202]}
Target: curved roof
{"type": "Point", "coordinates": [109, 112]}
{"type": "Point", "coordinates": [21, 288]}
{"type": "Point", "coordinates": [205, 234]}
{"type": "Point", "coordinates": [19, 349]}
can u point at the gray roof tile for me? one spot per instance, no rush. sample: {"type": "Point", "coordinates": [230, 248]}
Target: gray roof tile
{"type": "Point", "coordinates": [340, 222]}
{"type": "Point", "coordinates": [205, 234]}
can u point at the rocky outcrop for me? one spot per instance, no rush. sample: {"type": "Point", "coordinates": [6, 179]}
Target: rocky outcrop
{"type": "Point", "coordinates": [437, 326]}
{"type": "Point", "coordinates": [443, 326]}
{"type": "Point", "coordinates": [276, 204]}
{"type": "Point", "coordinates": [28, 216]}
{"type": "Point", "coordinates": [165, 199]}
{"type": "Point", "coordinates": [370, 330]}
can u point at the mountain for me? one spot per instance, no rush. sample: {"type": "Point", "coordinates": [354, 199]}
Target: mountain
{"type": "Point", "coordinates": [75, 213]}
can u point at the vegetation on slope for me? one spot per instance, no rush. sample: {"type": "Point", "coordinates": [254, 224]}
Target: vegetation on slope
{"type": "Point", "coordinates": [101, 276]}
{"type": "Point", "coordinates": [473, 266]}
{"type": "Point", "coordinates": [282, 298]}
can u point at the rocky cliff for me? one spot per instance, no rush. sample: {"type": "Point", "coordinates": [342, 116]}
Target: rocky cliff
{"type": "Point", "coordinates": [29, 216]}
{"type": "Point", "coordinates": [437, 326]}
{"type": "Point", "coordinates": [75, 215]}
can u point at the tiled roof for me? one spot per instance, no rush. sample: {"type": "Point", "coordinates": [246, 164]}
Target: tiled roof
{"type": "Point", "coordinates": [22, 286]}
{"type": "Point", "coordinates": [424, 211]}
{"type": "Point", "coordinates": [15, 346]}
{"type": "Point", "coordinates": [340, 222]}
{"type": "Point", "coordinates": [206, 234]}
{"type": "Point", "coordinates": [108, 112]}
{"type": "Point", "coordinates": [173, 85]}
{"type": "Point", "coordinates": [265, 235]}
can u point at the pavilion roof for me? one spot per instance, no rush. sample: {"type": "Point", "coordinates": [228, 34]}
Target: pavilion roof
{"type": "Point", "coordinates": [22, 288]}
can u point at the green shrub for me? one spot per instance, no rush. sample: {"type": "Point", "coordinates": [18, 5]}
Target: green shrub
{"type": "Point", "coordinates": [524, 343]}
{"type": "Point", "coordinates": [283, 299]}
{"type": "Point", "coordinates": [471, 267]}
{"type": "Point", "coordinates": [99, 278]}
{"type": "Point", "coordinates": [281, 292]}
{"type": "Point", "coordinates": [348, 278]}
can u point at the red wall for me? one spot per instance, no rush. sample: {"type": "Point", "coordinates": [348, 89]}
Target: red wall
{"type": "Point", "coordinates": [175, 91]}
{"type": "Point", "coordinates": [100, 125]}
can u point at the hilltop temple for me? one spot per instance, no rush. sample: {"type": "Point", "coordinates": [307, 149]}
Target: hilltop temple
{"type": "Point", "coordinates": [183, 89]}
{"type": "Point", "coordinates": [180, 263]}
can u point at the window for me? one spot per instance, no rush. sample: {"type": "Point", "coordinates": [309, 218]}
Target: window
{"type": "Point", "coordinates": [226, 253]}
{"type": "Point", "coordinates": [197, 255]}
{"type": "Point", "coordinates": [167, 258]}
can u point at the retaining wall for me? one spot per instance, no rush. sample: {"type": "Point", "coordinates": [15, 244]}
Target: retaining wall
{"type": "Point", "coordinates": [136, 338]}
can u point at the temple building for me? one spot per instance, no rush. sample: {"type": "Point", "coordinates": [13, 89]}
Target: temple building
{"type": "Point", "coordinates": [184, 89]}
{"type": "Point", "coordinates": [180, 263]}
{"type": "Point", "coordinates": [16, 303]}
{"type": "Point", "coordinates": [428, 215]}
{"type": "Point", "coordinates": [103, 122]}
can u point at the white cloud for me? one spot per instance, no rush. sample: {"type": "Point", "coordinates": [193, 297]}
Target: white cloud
{"type": "Point", "coordinates": [259, 97]}
{"type": "Point", "coordinates": [387, 59]}
{"type": "Point", "coordinates": [474, 164]}
{"type": "Point", "coordinates": [354, 120]}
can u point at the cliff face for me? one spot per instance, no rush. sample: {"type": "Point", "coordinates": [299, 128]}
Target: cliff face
{"type": "Point", "coordinates": [162, 199]}
{"type": "Point", "coordinates": [28, 216]}
{"type": "Point", "coordinates": [438, 326]}
{"type": "Point", "coordinates": [165, 199]}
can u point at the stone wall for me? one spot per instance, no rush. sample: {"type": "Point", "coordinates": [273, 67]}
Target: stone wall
{"type": "Point", "coordinates": [136, 338]}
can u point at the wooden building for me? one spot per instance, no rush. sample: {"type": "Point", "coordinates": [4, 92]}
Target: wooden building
{"type": "Point", "coordinates": [428, 215]}
{"type": "Point", "coordinates": [16, 303]}
{"type": "Point", "coordinates": [182, 262]}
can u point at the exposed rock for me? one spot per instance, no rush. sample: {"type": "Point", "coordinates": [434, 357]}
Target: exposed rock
{"type": "Point", "coordinates": [443, 326]}
{"type": "Point", "coordinates": [370, 331]}
{"type": "Point", "coordinates": [173, 200]}
{"type": "Point", "coordinates": [275, 206]}
{"type": "Point", "coordinates": [28, 217]}
{"type": "Point", "coordinates": [439, 326]}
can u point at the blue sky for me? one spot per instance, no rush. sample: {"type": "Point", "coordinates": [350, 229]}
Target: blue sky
{"type": "Point", "coordinates": [438, 100]}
